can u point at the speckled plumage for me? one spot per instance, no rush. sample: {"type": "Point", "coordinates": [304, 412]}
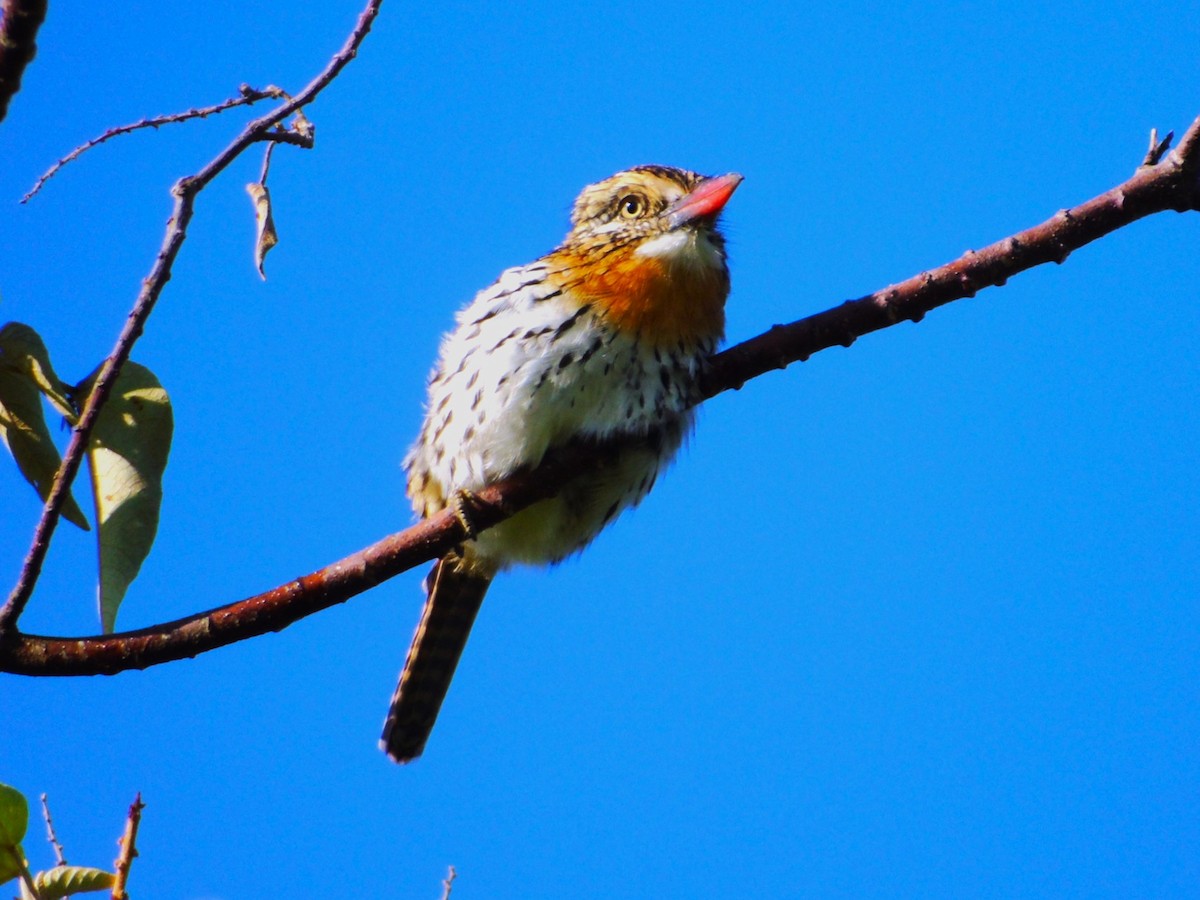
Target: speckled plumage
{"type": "Point", "coordinates": [603, 338]}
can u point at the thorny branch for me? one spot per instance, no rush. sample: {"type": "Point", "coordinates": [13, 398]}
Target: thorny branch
{"type": "Point", "coordinates": [184, 192]}
{"type": "Point", "coordinates": [1170, 183]}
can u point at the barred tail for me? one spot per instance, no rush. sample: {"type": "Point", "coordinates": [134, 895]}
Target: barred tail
{"type": "Point", "coordinates": [455, 593]}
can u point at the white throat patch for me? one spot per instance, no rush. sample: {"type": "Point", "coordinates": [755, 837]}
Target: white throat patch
{"type": "Point", "coordinates": [685, 246]}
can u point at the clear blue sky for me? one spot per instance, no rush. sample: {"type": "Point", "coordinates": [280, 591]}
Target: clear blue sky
{"type": "Point", "coordinates": [918, 618]}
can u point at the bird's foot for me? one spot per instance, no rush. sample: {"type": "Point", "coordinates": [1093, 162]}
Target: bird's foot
{"type": "Point", "coordinates": [465, 505]}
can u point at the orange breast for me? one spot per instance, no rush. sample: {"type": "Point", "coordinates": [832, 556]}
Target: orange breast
{"type": "Point", "coordinates": [660, 303]}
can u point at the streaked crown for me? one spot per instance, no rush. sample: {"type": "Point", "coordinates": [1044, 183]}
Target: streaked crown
{"type": "Point", "coordinates": [635, 195]}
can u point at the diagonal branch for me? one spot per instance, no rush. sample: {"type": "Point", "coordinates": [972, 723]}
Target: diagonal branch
{"type": "Point", "coordinates": [184, 191]}
{"type": "Point", "coordinates": [1173, 183]}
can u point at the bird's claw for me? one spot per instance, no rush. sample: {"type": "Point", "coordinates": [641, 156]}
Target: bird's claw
{"type": "Point", "coordinates": [465, 505]}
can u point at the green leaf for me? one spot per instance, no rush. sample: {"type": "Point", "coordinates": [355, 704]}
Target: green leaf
{"type": "Point", "coordinates": [11, 861]}
{"type": "Point", "coordinates": [14, 816]}
{"type": "Point", "coordinates": [26, 374]}
{"type": "Point", "coordinates": [22, 346]}
{"type": "Point", "coordinates": [63, 881]}
{"type": "Point", "coordinates": [127, 456]}
{"type": "Point", "coordinates": [14, 819]}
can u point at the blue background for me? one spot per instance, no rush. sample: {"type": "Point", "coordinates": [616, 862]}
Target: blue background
{"type": "Point", "coordinates": [917, 618]}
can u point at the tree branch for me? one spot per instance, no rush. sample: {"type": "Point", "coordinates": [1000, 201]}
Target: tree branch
{"type": "Point", "coordinates": [127, 843]}
{"type": "Point", "coordinates": [246, 96]}
{"type": "Point", "coordinates": [281, 606]}
{"type": "Point", "coordinates": [60, 855]}
{"type": "Point", "coordinates": [184, 191]}
{"type": "Point", "coordinates": [1171, 184]}
{"type": "Point", "coordinates": [18, 44]}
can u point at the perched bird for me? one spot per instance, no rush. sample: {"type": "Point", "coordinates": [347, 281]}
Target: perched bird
{"type": "Point", "coordinates": [604, 340]}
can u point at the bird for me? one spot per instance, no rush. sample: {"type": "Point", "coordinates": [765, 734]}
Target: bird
{"type": "Point", "coordinates": [602, 340]}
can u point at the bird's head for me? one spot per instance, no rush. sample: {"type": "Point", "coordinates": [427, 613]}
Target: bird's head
{"type": "Point", "coordinates": [645, 248]}
{"type": "Point", "coordinates": [648, 202]}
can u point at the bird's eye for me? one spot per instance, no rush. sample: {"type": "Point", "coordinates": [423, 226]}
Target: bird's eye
{"type": "Point", "coordinates": [631, 206]}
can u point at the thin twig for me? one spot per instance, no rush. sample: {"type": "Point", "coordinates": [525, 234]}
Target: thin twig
{"type": "Point", "coordinates": [247, 96]}
{"type": "Point", "coordinates": [184, 191]}
{"type": "Point", "coordinates": [266, 165]}
{"type": "Point", "coordinates": [127, 843]}
{"type": "Point", "coordinates": [1157, 148]}
{"type": "Point", "coordinates": [448, 882]}
{"type": "Point", "coordinates": [19, 24]}
{"type": "Point", "coordinates": [1174, 184]}
{"type": "Point", "coordinates": [59, 854]}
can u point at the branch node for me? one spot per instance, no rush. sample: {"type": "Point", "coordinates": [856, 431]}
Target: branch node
{"type": "Point", "coordinates": [881, 300]}
{"type": "Point", "coordinates": [1157, 148]}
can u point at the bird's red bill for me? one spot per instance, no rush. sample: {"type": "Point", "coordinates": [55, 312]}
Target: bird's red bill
{"type": "Point", "coordinates": [706, 200]}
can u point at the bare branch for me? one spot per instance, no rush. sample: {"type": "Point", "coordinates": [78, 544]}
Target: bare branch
{"type": "Point", "coordinates": [184, 191]}
{"type": "Point", "coordinates": [60, 855]}
{"type": "Point", "coordinates": [247, 96]}
{"type": "Point", "coordinates": [127, 843]}
{"type": "Point", "coordinates": [280, 136]}
{"type": "Point", "coordinates": [275, 609]}
{"type": "Point", "coordinates": [448, 883]}
{"type": "Point", "coordinates": [19, 24]}
{"type": "Point", "coordinates": [1172, 184]}
{"type": "Point", "coordinates": [1185, 156]}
